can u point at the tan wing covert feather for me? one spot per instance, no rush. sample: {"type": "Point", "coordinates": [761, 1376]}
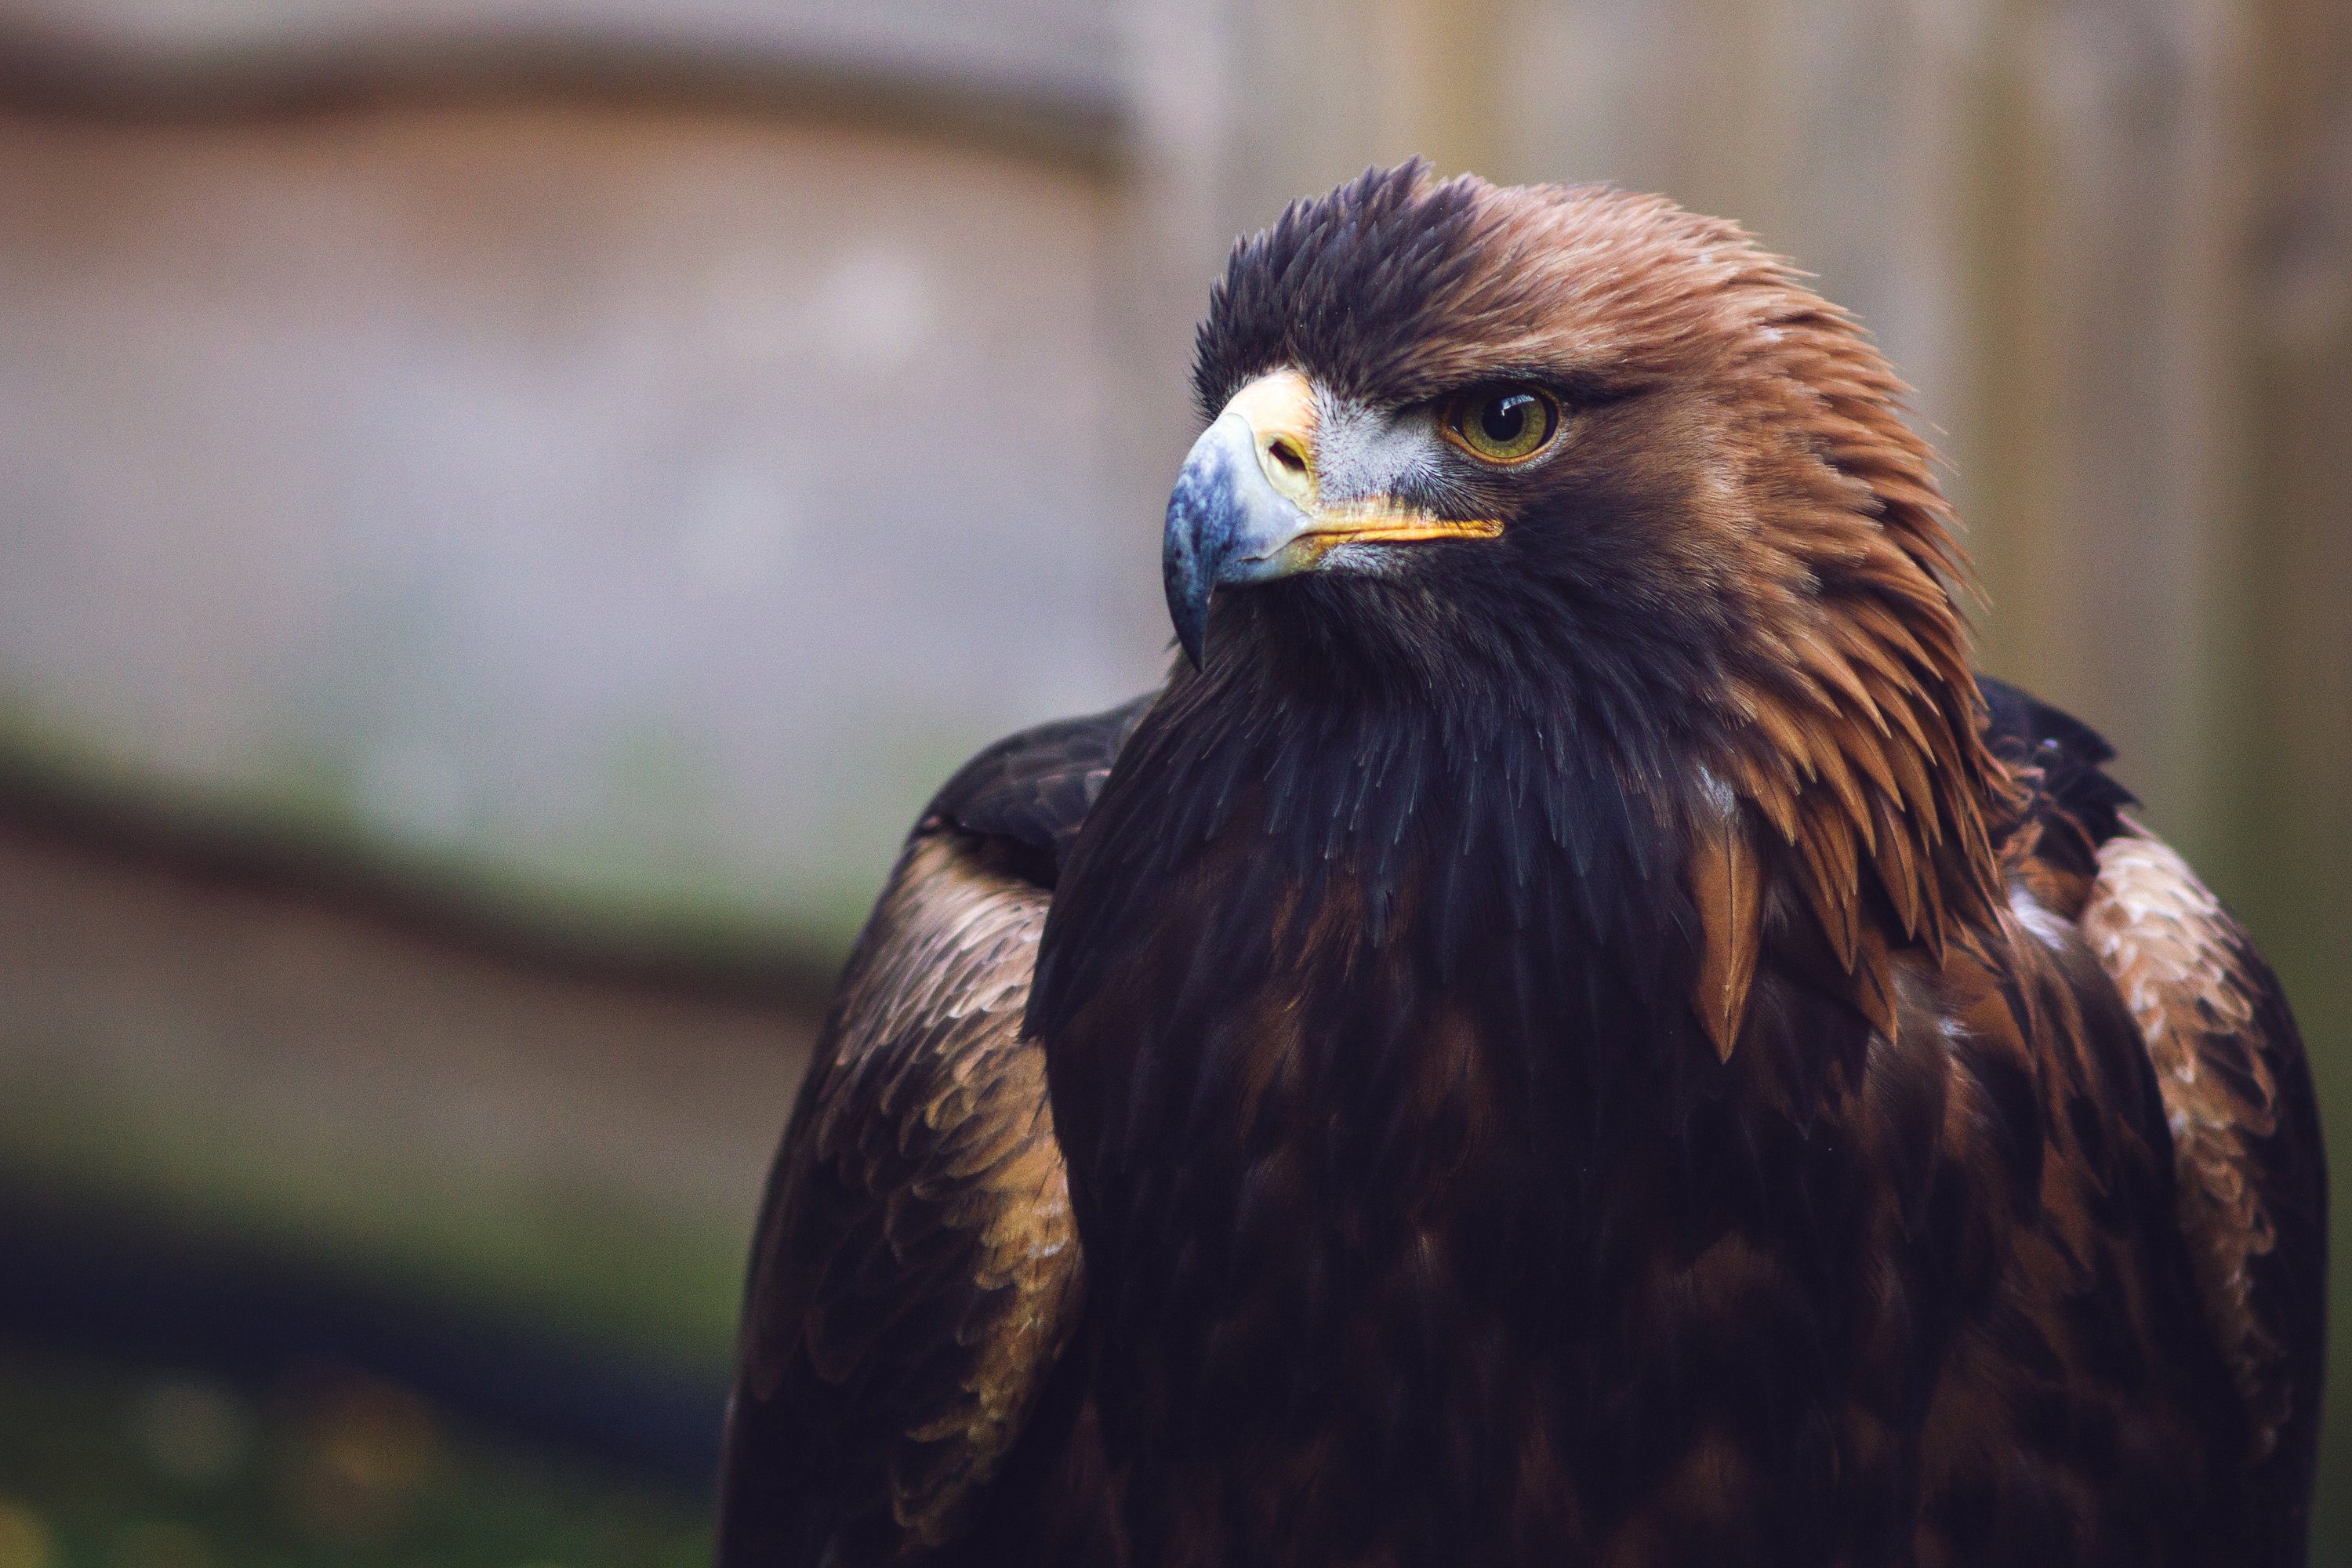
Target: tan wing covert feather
{"type": "Point", "coordinates": [2171, 950]}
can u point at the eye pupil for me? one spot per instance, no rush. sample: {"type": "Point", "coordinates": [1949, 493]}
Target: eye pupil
{"type": "Point", "coordinates": [1505, 419]}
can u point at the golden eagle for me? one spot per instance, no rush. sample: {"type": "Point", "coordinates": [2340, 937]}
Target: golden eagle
{"type": "Point", "coordinates": [1572, 1029]}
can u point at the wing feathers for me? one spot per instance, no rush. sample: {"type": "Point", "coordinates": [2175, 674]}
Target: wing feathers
{"type": "Point", "coordinates": [917, 1272]}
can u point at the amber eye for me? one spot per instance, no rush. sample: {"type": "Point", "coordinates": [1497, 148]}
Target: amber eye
{"type": "Point", "coordinates": [1504, 425]}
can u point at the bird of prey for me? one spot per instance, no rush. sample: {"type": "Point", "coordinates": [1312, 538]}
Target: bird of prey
{"type": "Point", "coordinates": [1573, 1029]}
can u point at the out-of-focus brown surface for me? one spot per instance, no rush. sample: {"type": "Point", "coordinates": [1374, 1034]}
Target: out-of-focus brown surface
{"type": "Point", "coordinates": [298, 1067]}
{"type": "Point", "coordinates": [652, 505]}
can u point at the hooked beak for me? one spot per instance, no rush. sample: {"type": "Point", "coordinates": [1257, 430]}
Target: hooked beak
{"type": "Point", "coordinates": [1247, 506]}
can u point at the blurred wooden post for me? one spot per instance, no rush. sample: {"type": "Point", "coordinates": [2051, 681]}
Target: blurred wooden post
{"type": "Point", "coordinates": [2103, 447]}
{"type": "Point", "coordinates": [2290, 705]}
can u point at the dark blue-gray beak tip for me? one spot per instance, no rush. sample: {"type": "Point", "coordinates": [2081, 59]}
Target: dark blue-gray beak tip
{"type": "Point", "coordinates": [1225, 524]}
{"type": "Point", "coordinates": [1189, 579]}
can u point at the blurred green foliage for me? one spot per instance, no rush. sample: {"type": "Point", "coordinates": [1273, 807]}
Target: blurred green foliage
{"type": "Point", "coordinates": [104, 1466]}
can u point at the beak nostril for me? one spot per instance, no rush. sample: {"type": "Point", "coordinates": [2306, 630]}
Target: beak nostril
{"type": "Point", "coordinates": [1285, 453]}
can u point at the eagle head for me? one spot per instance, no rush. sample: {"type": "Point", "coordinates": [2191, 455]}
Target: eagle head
{"type": "Point", "coordinates": [1573, 458]}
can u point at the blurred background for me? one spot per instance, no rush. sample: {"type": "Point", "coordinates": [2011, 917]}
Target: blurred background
{"type": "Point", "coordinates": [507, 510]}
